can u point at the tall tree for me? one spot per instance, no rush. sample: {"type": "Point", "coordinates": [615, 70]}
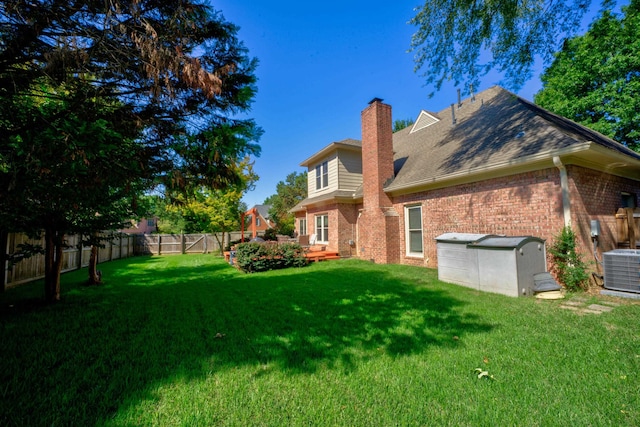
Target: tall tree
{"type": "Point", "coordinates": [289, 193]}
{"type": "Point", "coordinates": [402, 123]}
{"type": "Point", "coordinates": [178, 75]}
{"type": "Point", "coordinates": [453, 38]}
{"type": "Point", "coordinates": [215, 210]}
{"type": "Point", "coordinates": [595, 78]}
{"type": "Point", "coordinates": [77, 175]}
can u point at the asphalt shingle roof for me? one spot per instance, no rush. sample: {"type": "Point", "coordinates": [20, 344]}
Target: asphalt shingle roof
{"type": "Point", "coordinates": [497, 128]}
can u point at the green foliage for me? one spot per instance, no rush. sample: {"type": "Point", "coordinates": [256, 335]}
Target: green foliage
{"type": "Point", "coordinates": [401, 124]}
{"type": "Point", "coordinates": [256, 257]}
{"type": "Point", "coordinates": [572, 271]}
{"type": "Point", "coordinates": [270, 234]}
{"type": "Point", "coordinates": [93, 115]}
{"type": "Point", "coordinates": [453, 37]}
{"type": "Point", "coordinates": [235, 243]}
{"type": "Point", "coordinates": [595, 78]}
{"type": "Point", "coordinates": [289, 193]}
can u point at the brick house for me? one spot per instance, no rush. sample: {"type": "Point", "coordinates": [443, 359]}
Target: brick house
{"type": "Point", "coordinates": [494, 163]}
{"type": "Point", "coordinates": [259, 219]}
{"type": "Point", "coordinates": [143, 226]}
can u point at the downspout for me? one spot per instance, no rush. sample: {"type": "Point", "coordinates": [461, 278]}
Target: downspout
{"type": "Point", "coordinates": [564, 186]}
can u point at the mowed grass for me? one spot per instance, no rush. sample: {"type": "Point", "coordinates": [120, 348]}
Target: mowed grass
{"type": "Point", "coordinates": [188, 340]}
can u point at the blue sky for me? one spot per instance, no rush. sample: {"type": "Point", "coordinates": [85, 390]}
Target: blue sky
{"type": "Point", "coordinates": [320, 64]}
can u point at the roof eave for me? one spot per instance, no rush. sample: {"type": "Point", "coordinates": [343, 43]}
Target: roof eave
{"type": "Point", "coordinates": [522, 164]}
{"type": "Point", "coordinates": [319, 201]}
{"type": "Point", "coordinates": [334, 146]}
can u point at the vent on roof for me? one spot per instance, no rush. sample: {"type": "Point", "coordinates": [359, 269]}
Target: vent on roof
{"type": "Point", "coordinates": [424, 120]}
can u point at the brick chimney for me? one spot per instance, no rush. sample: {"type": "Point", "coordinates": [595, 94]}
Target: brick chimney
{"type": "Point", "coordinates": [378, 223]}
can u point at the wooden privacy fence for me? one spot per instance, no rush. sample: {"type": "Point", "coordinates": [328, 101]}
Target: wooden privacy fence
{"type": "Point", "coordinates": [73, 258]}
{"type": "Point", "coordinates": [121, 246]}
{"type": "Point", "coordinates": [628, 227]}
{"type": "Point", "coordinates": [166, 244]}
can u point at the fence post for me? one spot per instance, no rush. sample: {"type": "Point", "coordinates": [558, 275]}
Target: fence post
{"type": "Point", "coordinates": [182, 244]}
{"type": "Point", "coordinates": [159, 243]}
{"type": "Point", "coordinates": [3, 244]}
{"type": "Point", "coordinates": [80, 250]}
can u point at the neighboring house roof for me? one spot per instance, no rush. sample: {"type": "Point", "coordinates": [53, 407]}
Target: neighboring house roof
{"type": "Point", "coordinates": [263, 210]}
{"type": "Point", "coordinates": [495, 133]}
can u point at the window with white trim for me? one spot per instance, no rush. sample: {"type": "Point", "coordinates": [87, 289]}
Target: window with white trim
{"type": "Point", "coordinates": [322, 175]}
{"type": "Point", "coordinates": [302, 227]}
{"type": "Point", "coordinates": [413, 230]}
{"type": "Point", "coordinates": [322, 228]}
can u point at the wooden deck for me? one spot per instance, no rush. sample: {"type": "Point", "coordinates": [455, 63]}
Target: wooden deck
{"type": "Point", "coordinates": [321, 255]}
{"type": "Point", "coordinates": [311, 254]}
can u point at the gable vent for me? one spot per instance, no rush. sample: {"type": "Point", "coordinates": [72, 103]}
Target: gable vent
{"type": "Point", "coordinates": [424, 120]}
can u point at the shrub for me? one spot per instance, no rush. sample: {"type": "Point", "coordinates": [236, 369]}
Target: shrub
{"type": "Point", "coordinates": [572, 271]}
{"type": "Point", "coordinates": [235, 242]}
{"type": "Point", "coordinates": [255, 257]}
{"type": "Point", "coordinates": [270, 234]}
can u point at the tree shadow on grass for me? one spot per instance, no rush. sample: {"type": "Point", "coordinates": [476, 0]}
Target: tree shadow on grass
{"type": "Point", "coordinates": [79, 361]}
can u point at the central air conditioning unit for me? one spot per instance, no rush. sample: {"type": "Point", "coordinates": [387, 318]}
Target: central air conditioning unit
{"type": "Point", "coordinates": [622, 270]}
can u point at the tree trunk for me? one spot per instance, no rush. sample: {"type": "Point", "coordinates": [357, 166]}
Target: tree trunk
{"type": "Point", "coordinates": [95, 278]}
{"type": "Point", "coordinates": [220, 243]}
{"type": "Point", "coordinates": [52, 265]}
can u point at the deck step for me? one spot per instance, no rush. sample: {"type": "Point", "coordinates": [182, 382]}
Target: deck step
{"type": "Point", "coordinates": [314, 256]}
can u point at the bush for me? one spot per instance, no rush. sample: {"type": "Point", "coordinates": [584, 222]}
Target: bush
{"type": "Point", "coordinates": [270, 234]}
{"type": "Point", "coordinates": [572, 271]}
{"type": "Point", "coordinates": [255, 257]}
{"type": "Point", "coordinates": [235, 242]}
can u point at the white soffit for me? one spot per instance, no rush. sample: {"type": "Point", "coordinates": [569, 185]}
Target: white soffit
{"type": "Point", "coordinates": [424, 120]}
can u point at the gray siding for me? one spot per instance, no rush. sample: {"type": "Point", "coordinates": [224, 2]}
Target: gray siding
{"type": "Point", "coordinates": [349, 170]}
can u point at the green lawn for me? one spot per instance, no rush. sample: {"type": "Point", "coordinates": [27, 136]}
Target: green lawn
{"type": "Point", "coordinates": [188, 340]}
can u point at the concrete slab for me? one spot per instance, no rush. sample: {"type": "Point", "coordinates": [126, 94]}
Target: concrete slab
{"type": "Point", "coordinates": [573, 303]}
{"type": "Point", "coordinates": [620, 294]}
{"type": "Point", "coordinates": [599, 308]}
{"type": "Point", "coordinates": [610, 303]}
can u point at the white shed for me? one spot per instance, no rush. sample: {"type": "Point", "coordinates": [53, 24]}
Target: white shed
{"type": "Point", "coordinates": [507, 265]}
{"type": "Point", "coordinates": [456, 264]}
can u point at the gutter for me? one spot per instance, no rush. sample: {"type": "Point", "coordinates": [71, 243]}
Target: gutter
{"type": "Point", "coordinates": [504, 165]}
{"type": "Point", "coordinates": [564, 186]}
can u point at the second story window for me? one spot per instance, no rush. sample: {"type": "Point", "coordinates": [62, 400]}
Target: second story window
{"type": "Point", "coordinates": [322, 175]}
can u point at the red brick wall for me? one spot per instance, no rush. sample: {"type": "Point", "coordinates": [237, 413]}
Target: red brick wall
{"type": "Point", "coordinates": [523, 204]}
{"type": "Point", "coordinates": [520, 205]}
{"type": "Point", "coordinates": [347, 220]}
{"type": "Point", "coordinates": [597, 195]}
{"type": "Point", "coordinates": [342, 223]}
